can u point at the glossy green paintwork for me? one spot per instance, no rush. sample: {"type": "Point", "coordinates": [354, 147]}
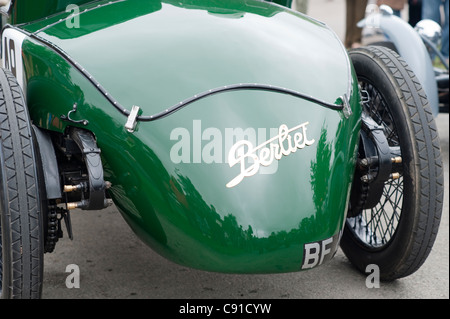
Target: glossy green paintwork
{"type": "Point", "coordinates": [25, 11]}
{"type": "Point", "coordinates": [286, 3]}
{"type": "Point", "coordinates": [154, 54]}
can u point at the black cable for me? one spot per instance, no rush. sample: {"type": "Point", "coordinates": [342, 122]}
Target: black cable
{"type": "Point", "coordinates": [236, 87]}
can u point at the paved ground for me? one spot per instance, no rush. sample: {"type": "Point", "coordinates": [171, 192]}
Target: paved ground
{"type": "Point", "coordinates": [113, 263]}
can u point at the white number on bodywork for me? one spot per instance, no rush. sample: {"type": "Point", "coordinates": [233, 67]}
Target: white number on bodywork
{"type": "Point", "coordinates": [12, 53]}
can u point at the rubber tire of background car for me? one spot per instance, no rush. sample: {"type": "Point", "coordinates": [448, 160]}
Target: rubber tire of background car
{"type": "Point", "coordinates": [21, 250]}
{"type": "Point", "coordinates": [419, 189]}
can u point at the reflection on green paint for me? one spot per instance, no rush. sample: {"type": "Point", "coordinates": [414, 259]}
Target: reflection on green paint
{"type": "Point", "coordinates": [184, 210]}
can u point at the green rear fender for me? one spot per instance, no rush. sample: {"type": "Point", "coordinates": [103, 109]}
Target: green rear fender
{"type": "Point", "coordinates": [169, 177]}
{"type": "Point", "coordinates": [242, 181]}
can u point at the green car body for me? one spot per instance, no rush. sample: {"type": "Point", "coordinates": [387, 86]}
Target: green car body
{"type": "Point", "coordinates": [247, 180]}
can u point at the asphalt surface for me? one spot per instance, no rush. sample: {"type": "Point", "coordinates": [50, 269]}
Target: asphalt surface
{"type": "Point", "coordinates": [113, 263]}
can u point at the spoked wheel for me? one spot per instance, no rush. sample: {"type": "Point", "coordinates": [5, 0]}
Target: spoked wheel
{"type": "Point", "coordinates": [397, 231]}
{"type": "Point", "coordinates": [21, 244]}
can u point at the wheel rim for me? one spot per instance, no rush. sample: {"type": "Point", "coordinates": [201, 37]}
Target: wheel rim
{"type": "Point", "coordinates": [376, 227]}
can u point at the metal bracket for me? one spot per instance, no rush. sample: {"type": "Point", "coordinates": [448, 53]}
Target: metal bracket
{"type": "Point", "coordinates": [380, 154]}
{"type": "Point", "coordinates": [68, 119]}
{"type": "Point", "coordinates": [347, 110]}
{"type": "Point", "coordinates": [96, 185]}
{"type": "Point", "coordinates": [131, 123]}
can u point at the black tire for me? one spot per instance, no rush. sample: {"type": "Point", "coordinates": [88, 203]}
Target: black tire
{"type": "Point", "coordinates": [21, 251]}
{"type": "Point", "coordinates": [398, 233]}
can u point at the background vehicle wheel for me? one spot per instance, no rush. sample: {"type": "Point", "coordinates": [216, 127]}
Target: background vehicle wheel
{"type": "Point", "coordinates": [21, 253]}
{"type": "Point", "coordinates": [398, 233]}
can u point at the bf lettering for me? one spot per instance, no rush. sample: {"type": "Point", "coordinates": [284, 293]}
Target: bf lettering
{"type": "Point", "coordinates": [314, 254]}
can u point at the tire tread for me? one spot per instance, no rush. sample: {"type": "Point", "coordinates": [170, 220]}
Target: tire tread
{"type": "Point", "coordinates": [21, 192]}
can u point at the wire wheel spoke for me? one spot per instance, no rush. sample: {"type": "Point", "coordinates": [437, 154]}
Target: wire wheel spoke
{"type": "Point", "coordinates": [375, 227]}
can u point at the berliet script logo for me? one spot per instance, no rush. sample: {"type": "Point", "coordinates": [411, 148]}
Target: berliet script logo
{"type": "Point", "coordinates": [244, 151]}
{"type": "Point", "coordinates": [239, 144]}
